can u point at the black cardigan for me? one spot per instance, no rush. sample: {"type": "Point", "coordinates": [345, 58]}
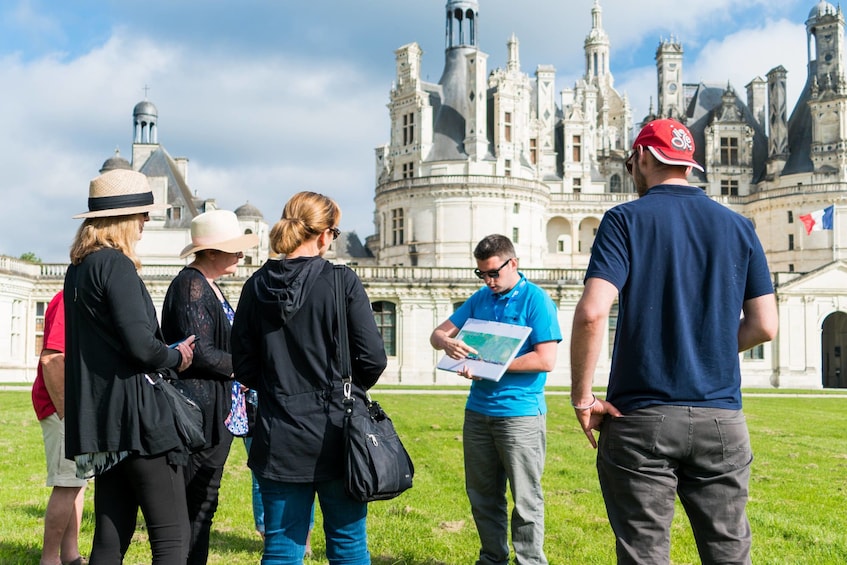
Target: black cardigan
{"type": "Point", "coordinates": [191, 307]}
{"type": "Point", "coordinates": [112, 338]}
{"type": "Point", "coordinates": [284, 345]}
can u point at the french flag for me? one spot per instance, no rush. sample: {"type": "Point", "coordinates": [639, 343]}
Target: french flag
{"type": "Point", "coordinates": [818, 220]}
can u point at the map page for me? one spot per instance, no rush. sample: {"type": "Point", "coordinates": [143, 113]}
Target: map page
{"type": "Point", "coordinates": [496, 344]}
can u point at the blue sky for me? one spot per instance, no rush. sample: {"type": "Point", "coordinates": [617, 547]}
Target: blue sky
{"type": "Point", "coordinates": [269, 97]}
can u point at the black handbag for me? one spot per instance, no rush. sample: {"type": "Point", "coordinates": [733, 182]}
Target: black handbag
{"type": "Point", "coordinates": [188, 417]}
{"type": "Point", "coordinates": [376, 465]}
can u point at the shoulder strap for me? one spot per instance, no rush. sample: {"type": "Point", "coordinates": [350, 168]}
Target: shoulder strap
{"type": "Point", "coordinates": [341, 314]}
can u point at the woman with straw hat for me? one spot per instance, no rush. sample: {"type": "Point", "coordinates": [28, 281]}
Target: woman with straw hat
{"type": "Point", "coordinates": [118, 428]}
{"type": "Point", "coordinates": [194, 304]}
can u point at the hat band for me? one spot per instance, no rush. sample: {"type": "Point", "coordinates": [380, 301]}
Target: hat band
{"type": "Point", "coordinates": [123, 201]}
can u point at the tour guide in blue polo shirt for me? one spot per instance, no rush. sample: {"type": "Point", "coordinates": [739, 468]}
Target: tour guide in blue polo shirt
{"type": "Point", "coordinates": [693, 290]}
{"type": "Point", "coordinates": [505, 431]}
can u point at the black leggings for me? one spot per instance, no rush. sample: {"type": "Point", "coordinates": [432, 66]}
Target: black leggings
{"type": "Point", "coordinates": [155, 486]}
{"type": "Point", "coordinates": [202, 483]}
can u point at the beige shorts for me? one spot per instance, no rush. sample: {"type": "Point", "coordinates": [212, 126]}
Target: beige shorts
{"type": "Point", "coordinates": [61, 472]}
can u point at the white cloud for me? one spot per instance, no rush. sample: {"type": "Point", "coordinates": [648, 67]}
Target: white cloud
{"type": "Point", "coordinates": [736, 58]}
{"type": "Point", "coordinates": [253, 129]}
{"type": "Point", "coordinates": [745, 54]}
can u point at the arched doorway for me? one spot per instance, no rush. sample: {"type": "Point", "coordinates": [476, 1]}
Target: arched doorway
{"type": "Point", "coordinates": [833, 350]}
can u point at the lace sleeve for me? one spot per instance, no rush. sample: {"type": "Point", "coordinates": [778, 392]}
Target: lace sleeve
{"type": "Point", "coordinates": [191, 307]}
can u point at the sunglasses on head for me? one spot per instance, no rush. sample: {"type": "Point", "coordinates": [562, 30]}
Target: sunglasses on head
{"type": "Point", "coordinates": [491, 274]}
{"type": "Point", "coordinates": [335, 232]}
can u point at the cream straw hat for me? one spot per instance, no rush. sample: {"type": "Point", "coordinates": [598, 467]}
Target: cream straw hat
{"type": "Point", "coordinates": [120, 192]}
{"type": "Point", "coordinates": [218, 229]}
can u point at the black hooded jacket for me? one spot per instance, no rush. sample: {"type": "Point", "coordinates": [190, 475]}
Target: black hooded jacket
{"type": "Point", "coordinates": [284, 345]}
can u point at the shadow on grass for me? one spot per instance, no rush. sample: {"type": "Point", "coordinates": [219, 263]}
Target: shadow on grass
{"type": "Point", "coordinates": [398, 560]}
{"type": "Point", "coordinates": [229, 542]}
{"type": "Point", "coordinates": [12, 553]}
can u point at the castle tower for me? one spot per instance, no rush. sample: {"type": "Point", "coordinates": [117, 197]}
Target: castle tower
{"type": "Point", "coordinates": [825, 41]}
{"type": "Point", "coordinates": [669, 74]}
{"type": "Point", "coordinates": [828, 100]}
{"type": "Point", "coordinates": [777, 113]}
{"type": "Point", "coordinates": [597, 50]}
{"type": "Point", "coordinates": [145, 132]}
{"type": "Point", "coordinates": [756, 99]}
{"type": "Point", "coordinates": [461, 28]}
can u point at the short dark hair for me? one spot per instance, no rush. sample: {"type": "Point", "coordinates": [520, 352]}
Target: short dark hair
{"type": "Point", "coordinates": [494, 245]}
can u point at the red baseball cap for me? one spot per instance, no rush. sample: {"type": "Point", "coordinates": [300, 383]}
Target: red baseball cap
{"type": "Point", "coordinates": [669, 141]}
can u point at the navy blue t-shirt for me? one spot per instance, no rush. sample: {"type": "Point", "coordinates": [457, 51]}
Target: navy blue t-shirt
{"type": "Point", "coordinates": [683, 265]}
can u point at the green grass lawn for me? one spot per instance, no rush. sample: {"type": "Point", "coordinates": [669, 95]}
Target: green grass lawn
{"type": "Point", "coordinates": [797, 506]}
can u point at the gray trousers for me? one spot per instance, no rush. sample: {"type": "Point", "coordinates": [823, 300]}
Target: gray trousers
{"type": "Point", "coordinates": [497, 450]}
{"type": "Point", "coordinates": [648, 456]}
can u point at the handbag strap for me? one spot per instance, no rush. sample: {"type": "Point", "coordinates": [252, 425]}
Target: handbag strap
{"type": "Point", "coordinates": [343, 340]}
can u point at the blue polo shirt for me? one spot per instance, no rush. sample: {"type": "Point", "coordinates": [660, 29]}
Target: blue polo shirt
{"type": "Point", "coordinates": [526, 304]}
{"type": "Point", "coordinates": [683, 265]}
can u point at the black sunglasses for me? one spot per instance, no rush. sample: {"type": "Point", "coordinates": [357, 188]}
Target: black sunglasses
{"type": "Point", "coordinates": [628, 162]}
{"type": "Point", "coordinates": [491, 274]}
{"type": "Point", "coordinates": [335, 232]}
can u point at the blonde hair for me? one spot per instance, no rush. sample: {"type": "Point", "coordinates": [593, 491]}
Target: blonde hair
{"type": "Point", "coordinates": [305, 215]}
{"type": "Point", "coordinates": [117, 232]}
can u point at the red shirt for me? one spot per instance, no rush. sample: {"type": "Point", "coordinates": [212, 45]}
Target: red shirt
{"type": "Point", "coordinates": [54, 338]}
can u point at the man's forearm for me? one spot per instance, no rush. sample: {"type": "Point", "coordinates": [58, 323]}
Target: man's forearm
{"type": "Point", "coordinates": [586, 342]}
{"type": "Point", "coordinates": [53, 370]}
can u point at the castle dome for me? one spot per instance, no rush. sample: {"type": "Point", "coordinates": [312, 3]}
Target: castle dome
{"type": "Point", "coordinates": [115, 162]}
{"type": "Point", "coordinates": [247, 210]}
{"type": "Point", "coordinates": [823, 8]}
{"type": "Point", "coordinates": [145, 107]}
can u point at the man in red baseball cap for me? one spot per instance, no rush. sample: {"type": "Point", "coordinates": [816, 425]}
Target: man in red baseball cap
{"type": "Point", "coordinates": [693, 290]}
{"type": "Point", "coordinates": [670, 143]}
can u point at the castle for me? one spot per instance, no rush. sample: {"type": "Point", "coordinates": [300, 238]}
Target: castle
{"type": "Point", "coordinates": [501, 151]}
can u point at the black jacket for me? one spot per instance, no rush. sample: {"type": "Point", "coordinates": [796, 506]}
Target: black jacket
{"type": "Point", "coordinates": [284, 345]}
{"type": "Point", "coordinates": [191, 307]}
{"type": "Point", "coordinates": [112, 338]}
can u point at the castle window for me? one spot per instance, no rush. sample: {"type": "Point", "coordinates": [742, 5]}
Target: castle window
{"type": "Point", "coordinates": [508, 168]}
{"type": "Point", "coordinates": [577, 149]}
{"type": "Point", "coordinates": [533, 151]}
{"type": "Point", "coordinates": [790, 217]}
{"type": "Point", "coordinates": [755, 353]}
{"type": "Point", "coordinates": [385, 316]}
{"type": "Point", "coordinates": [515, 235]}
{"type": "Point", "coordinates": [729, 151]}
{"type": "Point", "coordinates": [408, 129]}
{"type": "Point", "coordinates": [40, 310]}
{"type": "Point", "coordinates": [729, 187]}
{"type": "Point", "coordinates": [507, 127]}
{"type": "Point", "coordinates": [790, 242]}
{"type": "Point", "coordinates": [397, 226]}
{"type": "Point", "coordinates": [613, 326]}
{"type": "Point", "coordinates": [577, 185]}
{"type": "Point", "coordinates": [408, 170]}
{"type": "Point", "coordinates": [615, 183]}
{"type": "Point", "coordinates": [516, 208]}
{"type": "Point", "coordinates": [175, 213]}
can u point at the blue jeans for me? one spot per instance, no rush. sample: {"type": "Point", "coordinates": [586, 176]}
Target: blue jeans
{"type": "Point", "coordinates": [258, 510]}
{"type": "Point", "coordinates": [289, 511]}
{"type": "Point", "coordinates": [648, 456]}
{"type": "Point", "coordinates": [496, 450]}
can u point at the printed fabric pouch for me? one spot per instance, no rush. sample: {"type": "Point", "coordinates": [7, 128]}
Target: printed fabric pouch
{"type": "Point", "coordinates": [237, 421]}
